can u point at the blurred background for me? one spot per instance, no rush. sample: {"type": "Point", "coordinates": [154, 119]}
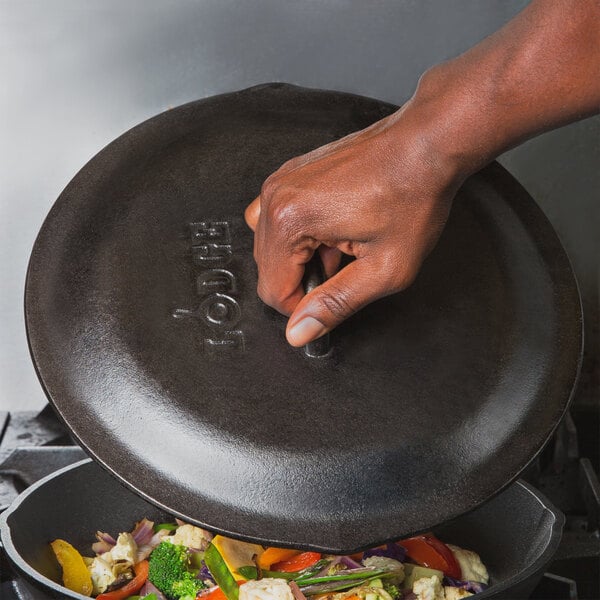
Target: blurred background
{"type": "Point", "coordinates": [75, 74]}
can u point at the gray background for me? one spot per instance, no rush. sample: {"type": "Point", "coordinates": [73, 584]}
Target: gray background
{"type": "Point", "coordinates": [77, 73]}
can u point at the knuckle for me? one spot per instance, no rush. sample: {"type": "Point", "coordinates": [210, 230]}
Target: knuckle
{"type": "Point", "coordinates": [338, 302]}
{"type": "Point", "coordinates": [268, 188]}
{"type": "Point", "coordinates": [285, 215]}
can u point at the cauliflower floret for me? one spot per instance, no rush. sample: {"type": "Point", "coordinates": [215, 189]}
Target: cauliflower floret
{"type": "Point", "coordinates": [190, 537]}
{"type": "Point", "coordinates": [101, 572]}
{"type": "Point", "coordinates": [454, 593]}
{"type": "Point", "coordinates": [125, 549]}
{"type": "Point", "coordinates": [266, 589]}
{"type": "Point", "coordinates": [428, 588]}
{"type": "Point", "coordinates": [470, 564]}
{"type": "Point", "coordinates": [387, 564]}
{"type": "Point", "coordinates": [364, 591]}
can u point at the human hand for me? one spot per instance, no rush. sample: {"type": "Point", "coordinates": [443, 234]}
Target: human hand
{"type": "Point", "coordinates": [381, 195]}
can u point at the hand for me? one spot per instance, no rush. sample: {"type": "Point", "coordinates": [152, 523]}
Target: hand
{"type": "Point", "coordinates": [381, 195]}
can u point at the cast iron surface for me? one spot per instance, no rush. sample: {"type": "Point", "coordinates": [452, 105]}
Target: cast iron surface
{"type": "Point", "coordinates": [150, 341]}
{"type": "Point", "coordinates": [516, 533]}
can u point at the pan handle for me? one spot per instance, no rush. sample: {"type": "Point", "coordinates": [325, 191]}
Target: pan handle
{"type": "Point", "coordinates": [314, 276]}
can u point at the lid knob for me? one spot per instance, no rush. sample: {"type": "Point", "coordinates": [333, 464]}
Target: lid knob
{"type": "Point", "coordinates": [314, 276]}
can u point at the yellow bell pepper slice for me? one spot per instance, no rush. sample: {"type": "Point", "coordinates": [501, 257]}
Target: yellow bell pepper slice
{"type": "Point", "coordinates": [76, 576]}
{"type": "Point", "coordinates": [236, 553]}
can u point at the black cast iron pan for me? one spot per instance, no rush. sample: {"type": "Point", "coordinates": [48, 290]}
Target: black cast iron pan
{"type": "Point", "coordinates": [516, 533]}
{"type": "Point", "coordinates": [150, 341]}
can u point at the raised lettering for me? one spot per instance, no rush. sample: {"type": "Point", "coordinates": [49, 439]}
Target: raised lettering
{"type": "Point", "coordinates": [228, 341]}
{"type": "Point", "coordinates": [215, 280]}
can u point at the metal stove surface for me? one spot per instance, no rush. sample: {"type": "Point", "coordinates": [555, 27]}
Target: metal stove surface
{"type": "Point", "coordinates": [33, 445]}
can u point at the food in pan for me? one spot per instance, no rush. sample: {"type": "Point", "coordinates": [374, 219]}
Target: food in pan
{"type": "Point", "coordinates": [178, 561]}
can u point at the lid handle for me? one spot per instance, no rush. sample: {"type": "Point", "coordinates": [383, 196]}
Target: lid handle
{"type": "Point", "coordinates": [314, 276]}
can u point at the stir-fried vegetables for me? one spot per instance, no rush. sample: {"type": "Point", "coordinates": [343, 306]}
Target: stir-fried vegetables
{"type": "Point", "coordinates": [134, 586]}
{"type": "Point", "coordinates": [428, 551]}
{"type": "Point", "coordinates": [178, 561]}
{"type": "Point", "coordinates": [296, 563]}
{"type": "Point", "coordinates": [169, 571]}
{"type": "Point", "coordinates": [274, 555]}
{"type": "Point", "coordinates": [220, 571]}
{"type": "Point", "coordinates": [236, 553]}
{"type": "Point", "coordinates": [266, 589]}
{"type": "Point", "coordinates": [76, 576]}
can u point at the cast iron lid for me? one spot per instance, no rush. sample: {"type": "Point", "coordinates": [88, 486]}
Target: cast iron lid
{"type": "Point", "coordinates": [151, 343]}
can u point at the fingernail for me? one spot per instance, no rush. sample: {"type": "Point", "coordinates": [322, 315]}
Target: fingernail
{"type": "Point", "coordinates": [305, 330]}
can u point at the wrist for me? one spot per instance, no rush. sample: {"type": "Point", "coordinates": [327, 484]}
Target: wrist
{"type": "Point", "coordinates": [455, 120]}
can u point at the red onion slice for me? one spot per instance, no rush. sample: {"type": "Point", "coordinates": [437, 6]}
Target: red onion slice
{"type": "Point", "coordinates": [143, 532]}
{"type": "Point", "coordinates": [105, 543]}
{"type": "Point", "coordinates": [145, 550]}
{"type": "Point", "coordinates": [298, 595]}
{"type": "Point", "coordinates": [148, 588]}
{"type": "Point", "coordinates": [348, 562]}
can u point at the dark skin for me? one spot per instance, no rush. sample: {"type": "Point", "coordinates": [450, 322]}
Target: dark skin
{"type": "Point", "coordinates": [383, 194]}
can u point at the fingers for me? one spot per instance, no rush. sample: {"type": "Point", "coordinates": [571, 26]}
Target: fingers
{"type": "Point", "coordinates": [331, 258]}
{"type": "Point", "coordinates": [338, 298]}
{"type": "Point", "coordinates": [252, 213]}
{"type": "Point", "coordinates": [280, 264]}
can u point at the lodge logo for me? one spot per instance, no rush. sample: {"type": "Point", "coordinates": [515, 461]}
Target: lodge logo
{"type": "Point", "coordinates": [216, 286]}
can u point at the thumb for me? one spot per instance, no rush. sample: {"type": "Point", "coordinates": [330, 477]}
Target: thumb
{"type": "Point", "coordinates": [335, 300]}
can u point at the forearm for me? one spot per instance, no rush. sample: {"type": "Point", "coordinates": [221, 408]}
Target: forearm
{"type": "Point", "coordinates": [540, 71]}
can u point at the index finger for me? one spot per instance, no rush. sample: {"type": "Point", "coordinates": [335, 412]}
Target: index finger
{"type": "Point", "coordinates": [280, 263]}
{"type": "Point", "coordinates": [252, 213]}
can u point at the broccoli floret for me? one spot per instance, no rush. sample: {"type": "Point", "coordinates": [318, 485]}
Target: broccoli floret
{"type": "Point", "coordinates": [187, 588]}
{"type": "Point", "coordinates": [392, 590]}
{"type": "Point", "coordinates": [169, 571]}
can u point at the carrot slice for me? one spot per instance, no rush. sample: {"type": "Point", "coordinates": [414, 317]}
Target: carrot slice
{"type": "Point", "coordinates": [274, 555]}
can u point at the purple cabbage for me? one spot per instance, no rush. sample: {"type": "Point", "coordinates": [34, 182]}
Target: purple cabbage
{"type": "Point", "coordinates": [391, 550]}
{"type": "Point", "coordinates": [475, 587]}
{"type": "Point", "coordinates": [204, 574]}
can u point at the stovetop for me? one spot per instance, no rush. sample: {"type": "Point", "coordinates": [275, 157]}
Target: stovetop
{"type": "Point", "coordinates": [33, 445]}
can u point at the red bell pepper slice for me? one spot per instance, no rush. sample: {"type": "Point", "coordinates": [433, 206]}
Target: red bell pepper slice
{"type": "Point", "coordinates": [428, 551]}
{"type": "Point", "coordinates": [131, 588]}
{"type": "Point", "coordinates": [216, 593]}
{"type": "Point", "coordinates": [297, 563]}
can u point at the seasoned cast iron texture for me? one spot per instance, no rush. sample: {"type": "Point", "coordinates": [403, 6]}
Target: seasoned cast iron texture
{"type": "Point", "coordinates": [516, 533]}
{"type": "Point", "coordinates": [149, 338]}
